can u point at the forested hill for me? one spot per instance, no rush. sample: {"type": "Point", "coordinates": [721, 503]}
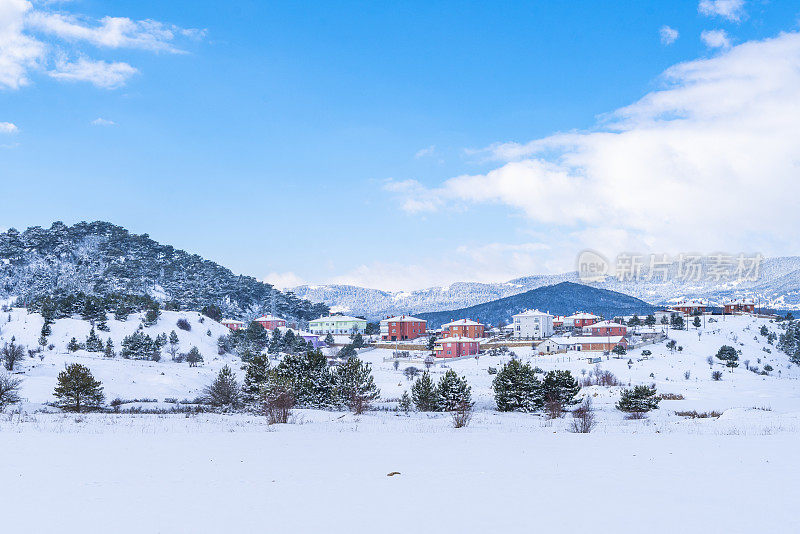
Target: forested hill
{"type": "Point", "coordinates": [559, 299]}
{"type": "Point", "coordinates": [100, 258]}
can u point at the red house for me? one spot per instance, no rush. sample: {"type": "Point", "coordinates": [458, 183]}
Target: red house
{"type": "Point", "coordinates": [606, 328]}
{"type": "Point", "coordinates": [232, 324]}
{"type": "Point", "coordinates": [740, 306]}
{"type": "Point", "coordinates": [581, 319]}
{"type": "Point", "coordinates": [402, 327]}
{"type": "Point", "coordinates": [689, 307]}
{"type": "Point", "coordinates": [270, 322]}
{"type": "Point", "coordinates": [456, 347]}
{"type": "Point", "coordinates": [463, 328]}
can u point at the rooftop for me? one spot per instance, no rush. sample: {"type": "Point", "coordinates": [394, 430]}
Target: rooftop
{"type": "Point", "coordinates": [462, 322]}
{"type": "Point", "coordinates": [337, 318]}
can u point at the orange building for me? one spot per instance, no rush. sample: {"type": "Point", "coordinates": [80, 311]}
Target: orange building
{"type": "Point", "coordinates": [270, 322]}
{"type": "Point", "coordinates": [740, 306]}
{"type": "Point", "coordinates": [402, 327]}
{"type": "Point", "coordinates": [456, 347]}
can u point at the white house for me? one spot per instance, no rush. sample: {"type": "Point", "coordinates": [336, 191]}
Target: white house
{"type": "Point", "coordinates": [337, 324]}
{"type": "Point", "coordinates": [533, 324]}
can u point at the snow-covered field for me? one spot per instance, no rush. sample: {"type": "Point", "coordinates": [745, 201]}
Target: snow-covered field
{"type": "Point", "coordinates": [328, 470]}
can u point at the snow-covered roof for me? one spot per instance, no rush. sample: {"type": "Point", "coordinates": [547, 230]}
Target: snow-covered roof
{"type": "Point", "coordinates": [301, 333]}
{"type": "Point", "coordinates": [230, 321]}
{"type": "Point", "coordinates": [269, 318]}
{"type": "Point", "coordinates": [606, 324]}
{"type": "Point", "coordinates": [583, 315]}
{"type": "Point", "coordinates": [336, 319]}
{"type": "Point", "coordinates": [531, 313]}
{"type": "Point", "coordinates": [574, 340]}
{"type": "Point", "coordinates": [404, 319]}
{"type": "Point", "coordinates": [463, 322]}
{"type": "Point", "coordinates": [694, 303]}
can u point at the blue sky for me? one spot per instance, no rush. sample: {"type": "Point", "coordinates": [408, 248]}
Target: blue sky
{"type": "Point", "coordinates": [319, 141]}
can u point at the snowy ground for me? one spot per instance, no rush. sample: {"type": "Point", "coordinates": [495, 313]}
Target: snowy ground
{"type": "Point", "coordinates": [328, 470]}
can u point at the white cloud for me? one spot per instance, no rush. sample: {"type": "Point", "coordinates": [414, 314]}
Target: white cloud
{"type": "Point", "coordinates": [34, 38]}
{"type": "Point", "coordinates": [732, 10]}
{"type": "Point", "coordinates": [8, 128]}
{"type": "Point", "coordinates": [109, 32]}
{"type": "Point", "coordinates": [429, 151]}
{"type": "Point", "coordinates": [694, 166]}
{"type": "Point", "coordinates": [99, 121]}
{"type": "Point", "coordinates": [99, 73]}
{"type": "Point", "coordinates": [668, 35]}
{"type": "Point", "coordinates": [18, 52]}
{"type": "Point", "coordinates": [715, 39]}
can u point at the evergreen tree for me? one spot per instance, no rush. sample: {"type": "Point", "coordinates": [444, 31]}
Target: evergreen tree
{"type": "Point", "coordinates": [640, 399]}
{"type": "Point", "coordinates": [729, 355]}
{"type": "Point", "coordinates": [276, 342]}
{"type": "Point", "coordinates": [93, 343]}
{"type": "Point", "coordinates": [174, 342]}
{"type": "Point", "coordinates": [355, 385]}
{"type": "Point", "coordinates": [516, 388]}
{"type": "Point", "coordinates": [696, 322]}
{"type": "Point", "coordinates": [329, 339]}
{"type": "Point", "coordinates": [308, 378]}
{"type": "Point", "coordinates": [453, 392]}
{"type": "Point", "coordinates": [560, 387]}
{"type": "Point", "coordinates": [139, 346]}
{"type": "Point", "coordinates": [677, 321]}
{"type": "Point", "coordinates": [347, 352]}
{"type": "Point", "coordinates": [194, 357]}
{"type": "Point", "coordinates": [650, 320]}
{"type": "Point", "coordinates": [109, 349]}
{"type": "Point", "coordinates": [424, 394]}
{"type": "Point", "coordinates": [289, 340]}
{"type": "Point", "coordinates": [358, 340]}
{"type": "Point", "coordinates": [405, 402]}
{"type": "Point", "coordinates": [224, 390]}
{"type": "Point", "coordinates": [212, 311]}
{"type": "Point", "coordinates": [73, 345]}
{"type": "Point", "coordinates": [77, 389]}
{"type": "Point", "coordinates": [255, 378]}
{"type": "Point", "coordinates": [151, 315]}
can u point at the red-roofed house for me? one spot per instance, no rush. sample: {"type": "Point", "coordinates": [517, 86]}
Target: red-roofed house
{"type": "Point", "coordinates": [463, 328]}
{"type": "Point", "coordinates": [456, 347]}
{"type": "Point", "coordinates": [606, 328]}
{"type": "Point", "coordinates": [232, 324]}
{"type": "Point", "coordinates": [270, 322]}
{"type": "Point", "coordinates": [402, 327]}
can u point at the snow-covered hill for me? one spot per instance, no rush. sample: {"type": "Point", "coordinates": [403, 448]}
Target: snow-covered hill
{"type": "Point", "coordinates": [123, 378]}
{"type": "Point", "coordinates": [777, 287]}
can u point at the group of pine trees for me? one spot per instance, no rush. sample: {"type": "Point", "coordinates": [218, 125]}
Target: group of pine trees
{"type": "Point", "coordinates": [518, 389]}
{"type": "Point", "coordinates": [451, 393]}
{"type": "Point", "coordinates": [310, 382]}
{"type": "Point", "coordinates": [789, 341]}
{"type": "Point", "coordinates": [255, 339]}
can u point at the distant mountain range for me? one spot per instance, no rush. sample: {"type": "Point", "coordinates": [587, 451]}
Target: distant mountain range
{"type": "Point", "coordinates": [559, 299]}
{"type": "Point", "coordinates": [778, 287]}
{"type": "Point", "coordinates": [100, 258]}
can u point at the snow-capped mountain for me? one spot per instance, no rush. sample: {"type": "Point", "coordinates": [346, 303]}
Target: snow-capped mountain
{"type": "Point", "coordinates": [777, 286]}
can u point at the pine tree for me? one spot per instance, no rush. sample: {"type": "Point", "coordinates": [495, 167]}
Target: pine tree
{"type": "Point", "coordinates": [405, 402]}
{"type": "Point", "coordinates": [516, 388]}
{"type": "Point", "coordinates": [560, 387]}
{"type": "Point", "coordinates": [729, 355]}
{"type": "Point", "coordinates": [276, 343]}
{"type": "Point", "coordinates": [12, 354]}
{"type": "Point", "coordinates": [255, 378]}
{"type": "Point", "coordinates": [78, 389]}
{"type": "Point", "coordinates": [650, 320]}
{"type": "Point", "coordinates": [355, 384]}
{"type": "Point", "coordinates": [224, 390]}
{"type": "Point", "coordinates": [329, 339]}
{"type": "Point", "coordinates": [73, 345]}
{"type": "Point", "coordinates": [173, 344]}
{"type": "Point", "coordinates": [194, 357]}
{"type": "Point", "coordinates": [108, 352]}
{"type": "Point", "coordinates": [358, 340]}
{"type": "Point", "coordinates": [93, 343]}
{"type": "Point", "coordinates": [453, 392]}
{"type": "Point", "coordinates": [696, 322]}
{"type": "Point", "coordinates": [424, 394]}
{"type": "Point", "coordinates": [640, 399]}
{"type": "Point", "coordinates": [308, 378]}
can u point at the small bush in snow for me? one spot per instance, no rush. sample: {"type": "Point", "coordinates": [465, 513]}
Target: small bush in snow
{"type": "Point", "coordinates": [183, 324]}
{"type": "Point", "coordinates": [716, 375]}
{"type": "Point", "coordinates": [9, 390]}
{"type": "Point", "coordinates": [583, 420]}
{"type": "Point", "coordinates": [639, 400]}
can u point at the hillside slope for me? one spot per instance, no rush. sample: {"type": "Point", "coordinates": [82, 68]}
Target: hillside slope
{"type": "Point", "coordinates": [100, 258]}
{"type": "Point", "coordinates": [559, 299]}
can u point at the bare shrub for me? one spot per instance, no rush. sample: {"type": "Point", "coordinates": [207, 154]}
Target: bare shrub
{"type": "Point", "coordinates": [694, 414]}
{"type": "Point", "coordinates": [687, 375]}
{"type": "Point", "coordinates": [12, 354]}
{"type": "Point", "coordinates": [636, 415]}
{"type": "Point", "coordinates": [9, 390]}
{"type": "Point", "coordinates": [671, 396]}
{"type": "Point", "coordinates": [277, 405]}
{"type": "Point", "coordinates": [462, 414]}
{"type": "Point", "coordinates": [553, 407]}
{"type": "Point", "coordinates": [599, 377]}
{"type": "Point", "coordinates": [583, 420]}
